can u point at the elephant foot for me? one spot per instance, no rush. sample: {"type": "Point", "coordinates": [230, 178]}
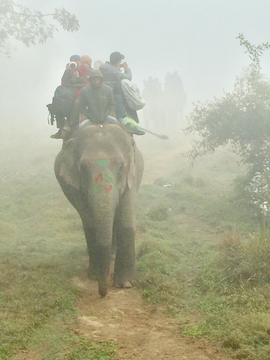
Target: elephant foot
{"type": "Point", "coordinates": [102, 288]}
{"type": "Point", "coordinates": [124, 285]}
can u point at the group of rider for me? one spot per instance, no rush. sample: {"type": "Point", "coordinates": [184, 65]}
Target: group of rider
{"type": "Point", "coordinates": [99, 96]}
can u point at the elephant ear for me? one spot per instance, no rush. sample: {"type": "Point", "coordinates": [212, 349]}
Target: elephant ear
{"type": "Point", "coordinates": [65, 166]}
{"type": "Point", "coordinates": [131, 168]}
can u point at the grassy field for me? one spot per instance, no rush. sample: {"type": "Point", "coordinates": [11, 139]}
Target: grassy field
{"type": "Point", "coordinates": [203, 255]}
{"type": "Point", "coordinates": [41, 250]}
{"type": "Point", "coordinates": [200, 254]}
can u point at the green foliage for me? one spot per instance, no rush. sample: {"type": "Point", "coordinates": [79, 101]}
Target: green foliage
{"type": "Point", "coordinates": [259, 187]}
{"type": "Point", "coordinates": [237, 264]}
{"type": "Point", "coordinates": [254, 51]}
{"type": "Point", "coordinates": [89, 351]}
{"type": "Point", "coordinates": [206, 263]}
{"type": "Point", "coordinates": [239, 118]}
{"type": "Point", "coordinates": [42, 248]}
{"type": "Point", "coordinates": [28, 26]}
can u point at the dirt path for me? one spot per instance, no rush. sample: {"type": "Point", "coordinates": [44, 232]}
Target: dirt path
{"type": "Point", "coordinates": [140, 331]}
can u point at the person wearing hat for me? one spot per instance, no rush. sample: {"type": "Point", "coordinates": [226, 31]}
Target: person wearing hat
{"type": "Point", "coordinates": [96, 99]}
{"type": "Point", "coordinates": [112, 76]}
{"type": "Point", "coordinates": [96, 103]}
{"type": "Point", "coordinates": [75, 74]}
{"type": "Point", "coordinates": [111, 72]}
{"type": "Point", "coordinates": [87, 62]}
{"type": "Point", "coordinates": [97, 64]}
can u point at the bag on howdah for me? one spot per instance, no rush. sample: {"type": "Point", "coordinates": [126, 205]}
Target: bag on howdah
{"type": "Point", "coordinates": [132, 94]}
{"type": "Point", "coordinates": [63, 99]}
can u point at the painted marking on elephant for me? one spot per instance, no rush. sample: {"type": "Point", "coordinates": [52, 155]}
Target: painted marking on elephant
{"type": "Point", "coordinates": [104, 183]}
{"type": "Point", "coordinates": [114, 162]}
{"type": "Point", "coordinates": [102, 162]}
{"type": "Point", "coordinates": [105, 162]}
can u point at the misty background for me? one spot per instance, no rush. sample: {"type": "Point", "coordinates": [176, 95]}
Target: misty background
{"type": "Point", "coordinates": [195, 38]}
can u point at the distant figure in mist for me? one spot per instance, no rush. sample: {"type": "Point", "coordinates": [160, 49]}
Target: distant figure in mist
{"type": "Point", "coordinates": [97, 64]}
{"type": "Point", "coordinates": [174, 100]}
{"type": "Point", "coordinates": [153, 96]}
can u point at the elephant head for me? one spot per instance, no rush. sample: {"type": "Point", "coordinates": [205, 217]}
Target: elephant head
{"type": "Point", "coordinates": [99, 171]}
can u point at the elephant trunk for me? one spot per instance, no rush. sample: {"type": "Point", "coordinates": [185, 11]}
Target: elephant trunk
{"type": "Point", "coordinates": [103, 231]}
{"type": "Point", "coordinates": [104, 255]}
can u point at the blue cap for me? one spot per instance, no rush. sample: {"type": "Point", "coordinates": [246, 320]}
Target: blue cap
{"type": "Point", "coordinates": [75, 58]}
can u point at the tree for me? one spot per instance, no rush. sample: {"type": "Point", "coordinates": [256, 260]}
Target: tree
{"type": "Point", "coordinates": [240, 118]}
{"type": "Point", "coordinates": [29, 26]}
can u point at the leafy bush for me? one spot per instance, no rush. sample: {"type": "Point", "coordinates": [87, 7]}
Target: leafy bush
{"type": "Point", "coordinates": [259, 187]}
{"type": "Point", "coordinates": [239, 118]}
{"type": "Point", "coordinates": [237, 264]}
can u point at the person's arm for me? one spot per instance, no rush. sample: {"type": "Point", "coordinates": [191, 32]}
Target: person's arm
{"type": "Point", "coordinates": [110, 105]}
{"type": "Point", "coordinates": [83, 103]}
{"type": "Point", "coordinates": [127, 72]}
{"type": "Point", "coordinates": [66, 77]}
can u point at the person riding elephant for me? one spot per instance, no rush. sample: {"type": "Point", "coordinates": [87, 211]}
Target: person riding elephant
{"type": "Point", "coordinates": [96, 99]}
{"type": "Point", "coordinates": [74, 79]}
{"type": "Point", "coordinates": [99, 171]}
{"type": "Point", "coordinates": [112, 76]}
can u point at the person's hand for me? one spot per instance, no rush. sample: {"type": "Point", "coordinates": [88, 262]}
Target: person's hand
{"type": "Point", "coordinates": [76, 73]}
{"type": "Point", "coordinates": [125, 65]}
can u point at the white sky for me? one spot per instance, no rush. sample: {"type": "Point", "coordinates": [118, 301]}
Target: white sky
{"type": "Point", "coordinates": [195, 37]}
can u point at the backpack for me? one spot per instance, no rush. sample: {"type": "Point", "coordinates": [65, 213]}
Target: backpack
{"type": "Point", "coordinates": [132, 94]}
{"type": "Point", "coordinates": [63, 99]}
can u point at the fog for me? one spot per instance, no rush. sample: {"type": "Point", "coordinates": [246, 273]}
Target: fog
{"type": "Point", "coordinates": [195, 38]}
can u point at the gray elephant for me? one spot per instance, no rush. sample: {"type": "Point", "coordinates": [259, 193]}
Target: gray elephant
{"type": "Point", "coordinates": [100, 171]}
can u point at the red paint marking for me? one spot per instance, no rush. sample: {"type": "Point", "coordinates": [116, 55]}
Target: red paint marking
{"type": "Point", "coordinates": [90, 163]}
{"type": "Point", "coordinates": [113, 163]}
{"type": "Point", "coordinates": [99, 177]}
{"type": "Point", "coordinates": [107, 189]}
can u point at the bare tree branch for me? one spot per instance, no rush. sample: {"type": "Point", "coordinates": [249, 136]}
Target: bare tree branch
{"type": "Point", "coordinates": [29, 26]}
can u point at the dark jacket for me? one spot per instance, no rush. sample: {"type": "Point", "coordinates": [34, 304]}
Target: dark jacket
{"type": "Point", "coordinates": [112, 75]}
{"type": "Point", "coordinates": [97, 103]}
{"type": "Point", "coordinates": [69, 79]}
{"type": "Point", "coordinates": [77, 82]}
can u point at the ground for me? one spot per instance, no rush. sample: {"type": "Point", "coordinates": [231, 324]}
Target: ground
{"type": "Point", "coordinates": [141, 331]}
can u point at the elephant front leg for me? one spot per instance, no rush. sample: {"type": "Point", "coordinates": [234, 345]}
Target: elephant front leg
{"type": "Point", "coordinates": [90, 236]}
{"type": "Point", "coordinates": [124, 269]}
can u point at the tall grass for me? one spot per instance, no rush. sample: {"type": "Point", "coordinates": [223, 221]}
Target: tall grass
{"type": "Point", "coordinates": [204, 257]}
{"type": "Point", "coordinates": [42, 247]}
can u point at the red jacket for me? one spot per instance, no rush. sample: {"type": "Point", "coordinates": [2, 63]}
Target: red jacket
{"type": "Point", "coordinates": [69, 79]}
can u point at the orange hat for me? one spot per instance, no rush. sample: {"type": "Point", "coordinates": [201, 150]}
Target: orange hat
{"type": "Point", "coordinates": [86, 59]}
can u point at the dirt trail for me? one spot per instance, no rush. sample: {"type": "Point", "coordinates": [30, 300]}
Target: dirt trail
{"type": "Point", "coordinates": [141, 331]}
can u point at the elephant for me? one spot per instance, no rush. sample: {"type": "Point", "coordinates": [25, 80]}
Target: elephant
{"type": "Point", "coordinates": [99, 171]}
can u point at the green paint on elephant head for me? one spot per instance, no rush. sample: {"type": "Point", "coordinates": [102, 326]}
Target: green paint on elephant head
{"type": "Point", "coordinates": [102, 162]}
{"type": "Point", "coordinates": [103, 183]}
